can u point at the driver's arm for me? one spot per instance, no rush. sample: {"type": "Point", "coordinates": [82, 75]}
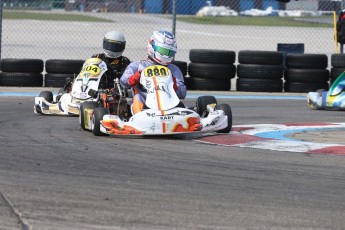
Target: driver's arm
{"type": "Point", "coordinates": [129, 71]}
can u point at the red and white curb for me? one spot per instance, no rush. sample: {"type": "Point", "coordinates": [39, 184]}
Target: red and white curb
{"type": "Point", "coordinates": [272, 137]}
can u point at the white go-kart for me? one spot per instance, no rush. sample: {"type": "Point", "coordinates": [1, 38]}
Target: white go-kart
{"type": "Point", "coordinates": [163, 113]}
{"type": "Point", "coordinates": [68, 103]}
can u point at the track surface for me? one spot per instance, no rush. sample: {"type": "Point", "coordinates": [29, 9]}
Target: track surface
{"type": "Point", "coordinates": [53, 175]}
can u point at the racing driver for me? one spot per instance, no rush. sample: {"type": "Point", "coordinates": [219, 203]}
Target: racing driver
{"type": "Point", "coordinates": [161, 49]}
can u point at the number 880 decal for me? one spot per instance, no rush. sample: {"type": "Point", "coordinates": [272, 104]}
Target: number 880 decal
{"type": "Point", "coordinates": [156, 71]}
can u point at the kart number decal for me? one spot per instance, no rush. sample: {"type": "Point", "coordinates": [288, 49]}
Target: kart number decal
{"type": "Point", "coordinates": [158, 71]}
{"type": "Point", "coordinates": [92, 69]}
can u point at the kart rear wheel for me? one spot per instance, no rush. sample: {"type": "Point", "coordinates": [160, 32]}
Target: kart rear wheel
{"type": "Point", "coordinates": [47, 95]}
{"type": "Point", "coordinates": [202, 102]}
{"type": "Point", "coordinates": [227, 110]}
{"type": "Point", "coordinates": [83, 106]}
{"type": "Point", "coordinates": [98, 114]}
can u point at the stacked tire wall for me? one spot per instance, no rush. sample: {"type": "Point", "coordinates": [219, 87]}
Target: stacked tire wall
{"type": "Point", "coordinates": [260, 71]}
{"type": "Point", "coordinates": [58, 70]}
{"type": "Point", "coordinates": [211, 69]}
{"type": "Point", "coordinates": [21, 72]}
{"type": "Point", "coordinates": [306, 73]}
{"type": "Point", "coordinates": [338, 66]}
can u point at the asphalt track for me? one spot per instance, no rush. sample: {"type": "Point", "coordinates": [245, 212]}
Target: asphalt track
{"type": "Point", "coordinates": [53, 175]}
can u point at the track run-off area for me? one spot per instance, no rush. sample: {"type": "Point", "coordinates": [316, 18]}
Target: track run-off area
{"type": "Point", "coordinates": [281, 166]}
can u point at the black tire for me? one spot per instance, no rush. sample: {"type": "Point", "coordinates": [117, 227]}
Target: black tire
{"type": "Point", "coordinates": [211, 71]}
{"type": "Point", "coordinates": [260, 71]}
{"type": "Point", "coordinates": [335, 73]}
{"type": "Point", "coordinates": [299, 87]}
{"type": "Point", "coordinates": [259, 85]}
{"type": "Point", "coordinates": [21, 79]}
{"type": "Point", "coordinates": [260, 57]}
{"type": "Point", "coordinates": [64, 66]}
{"type": "Point", "coordinates": [227, 110]}
{"type": "Point", "coordinates": [212, 56]}
{"type": "Point", "coordinates": [83, 106]}
{"type": "Point", "coordinates": [47, 95]}
{"type": "Point", "coordinates": [196, 83]}
{"type": "Point", "coordinates": [307, 75]}
{"type": "Point", "coordinates": [202, 102]}
{"type": "Point", "coordinates": [338, 60]}
{"type": "Point", "coordinates": [306, 61]}
{"type": "Point", "coordinates": [183, 66]}
{"type": "Point", "coordinates": [98, 114]}
{"type": "Point", "coordinates": [56, 79]}
{"type": "Point", "coordinates": [24, 65]}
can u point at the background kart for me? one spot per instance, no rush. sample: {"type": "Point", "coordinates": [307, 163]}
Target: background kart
{"type": "Point", "coordinates": [333, 99]}
{"type": "Point", "coordinates": [164, 113]}
{"type": "Point", "coordinates": [68, 103]}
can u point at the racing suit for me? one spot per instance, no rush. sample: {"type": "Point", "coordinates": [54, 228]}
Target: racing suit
{"type": "Point", "coordinates": [140, 95]}
{"type": "Point", "coordinates": [116, 67]}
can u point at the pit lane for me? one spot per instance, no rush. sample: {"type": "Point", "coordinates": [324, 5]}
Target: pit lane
{"type": "Point", "coordinates": [60, 177]}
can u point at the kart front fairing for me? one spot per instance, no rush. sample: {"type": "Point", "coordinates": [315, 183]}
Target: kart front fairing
{"type": "Point", "coordinates": [163, 117]}
{"type": "Point", "coordinates": [69, 103]}
{"type": "Point", "coordinates": [333, 99]}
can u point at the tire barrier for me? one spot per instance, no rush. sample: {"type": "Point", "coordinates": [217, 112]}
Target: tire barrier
{"type": "Point", "coordinates": [58, 70]}
{"type": "Point", "coordinates": [337, 66]}
{"type": "Point", "coordinates": [211, 69]}
{"type": "Point", "coordinates": [21, 72]}
{"type": "Point", "coordinates": [260, 71]}
{"type": "Point", "coordinates": [306, 73]}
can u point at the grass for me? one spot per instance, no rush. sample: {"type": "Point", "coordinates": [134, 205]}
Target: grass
{"type": "Point", "coordinates": [257, 21]}
{"type": "Point", "coordinates": [239, 20]}
{"type": "Point", "coordinates": [21, 15]}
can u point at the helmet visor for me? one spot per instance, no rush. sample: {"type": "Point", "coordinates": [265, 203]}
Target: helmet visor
{"type": "Point", "coordinates": [114, 46]}
{"type": "Point", "coordinates": [164, 51]}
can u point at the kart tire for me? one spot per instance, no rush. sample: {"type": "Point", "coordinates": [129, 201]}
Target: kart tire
{"type": "Point", "coordinates": [195, 83]}
{"type": "Point", "coordinates": [306, 61]}
{"type": "Point", "coordinates": [98, 114]}
{"type": "Point", "coordinates": [259, 85]}
{"type": "Point", "coordinates": [183, 66]}
{"type": "Point", "coordinates": [212, 71]}
{"type": "Point", "coordinates": [260, 57]}
{"type": "Point", "coordinates": [24, 65]}
{"type": "Point", "coordinates": [338, 60]}
{"type": "Point", "coordinates": [21, 79]}
{"type": "Point", "coordinates": [64, 66]}
{"type": "Point", "coordinates": [56, 79]}
{"type": "Point", "coordinates": [300, 87]}
{"type": "Point", "coordinates": [212, 56]}
{"type": "Point", "coordinates": [227, 110]}
{"type": "Point", "coordinates": [306, 75]}
{"type": "Point", "coordinates": [83, 106]}
{"type": "Point", "coordinates": [47, 95]}
{"type": "Point", "coordinates": [260, 71]}
{"type": "Point", "coordinates": [202, 102]}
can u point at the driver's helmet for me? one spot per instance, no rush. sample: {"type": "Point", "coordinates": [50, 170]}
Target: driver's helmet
{"type": "Point", "coordinates": [114, 43]}
{"type": "Point", "coordinates": [162, 47]}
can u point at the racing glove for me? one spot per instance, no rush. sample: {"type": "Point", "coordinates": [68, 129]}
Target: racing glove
{"type": "Point", "coordinates": [134, 79]}
{"type": "Point", "coordinates": [175, 84]}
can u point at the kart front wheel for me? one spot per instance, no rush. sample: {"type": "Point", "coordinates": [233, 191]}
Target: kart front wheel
{"type": "Point", "coordinates": [98, 114]}
{"type": "Point", "coordinates": [83, 106]}
{"type": "Point", "coordinates": [227, 110]}
{"type": "Point", "coordinates": [202, 102]}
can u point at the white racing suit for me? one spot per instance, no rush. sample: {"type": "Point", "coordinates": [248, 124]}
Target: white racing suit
{"type": "Point", "coordinates": [140, 95]}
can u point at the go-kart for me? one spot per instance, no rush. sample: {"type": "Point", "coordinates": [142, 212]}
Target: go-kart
{"type": "Point", "coordinates": [163, 112]}
{"type": "Point", "coordinates": [333, 99]}
{"type": "Point", "coordinates": [67, 102]}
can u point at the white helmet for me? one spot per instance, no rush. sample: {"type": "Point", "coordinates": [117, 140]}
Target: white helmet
{"type": "Point", "coordinates": [114, 43]}
{"type": "Point", "coordinates": [162, 47]}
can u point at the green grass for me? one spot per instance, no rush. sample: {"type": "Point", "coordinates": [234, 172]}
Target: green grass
{"type": "Point", "coordinates": [257, 21]}
{"type": "Point", "coordinates": [20, 15]}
